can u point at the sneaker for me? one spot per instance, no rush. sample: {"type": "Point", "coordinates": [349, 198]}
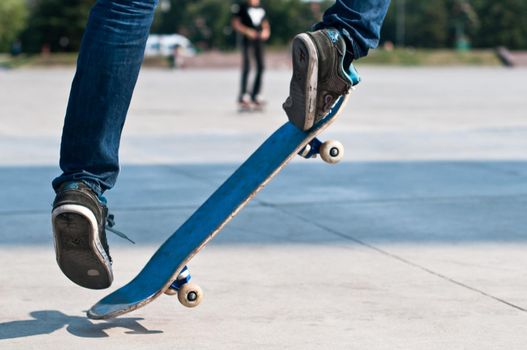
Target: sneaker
{"type": "Point", "coordinates": [244, 99]}
{"type": "Point", "coordinates": [82, 252]}
{"type": "Point", "coordinates": [244, 102]}
{"type": "Point", "coordinates": [319, 77]}
{"type": "Point", "coordinates": [258, 102]}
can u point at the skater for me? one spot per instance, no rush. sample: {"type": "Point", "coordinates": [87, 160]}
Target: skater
{"type": "Point", "coordinates": [109, 60]}
{"type": "Point", "coordinates": [249, 19]}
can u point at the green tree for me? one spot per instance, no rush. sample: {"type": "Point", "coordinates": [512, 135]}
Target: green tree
{"type": "Point", "coordinates": [425, 23]}
{"type": "Point", "coordinates": [486, 23]}
{"type": "Point", "coordinates": [290, 17]}
{"type": "Point", "coordinates": [503, 23]}
{"type": "Point", "coordinates": [207, 22]}
{"type": "Point", "coordinates": [13, 16]}
{"type": "Point", "coordinates": [170, 16]}
{"type": "Point", "coordinates": [57, 24]}
{"type": "Point", "coordinates": [430, 21]}
{"type": "Point", "coordinates": [204, 22]}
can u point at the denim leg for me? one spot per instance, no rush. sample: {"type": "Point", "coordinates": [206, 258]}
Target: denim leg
{"type": "Point", "coordinates": [359, 21]}
{"type": "Point", "coordinates": [109, 60]}
{"type": "Point", "coordinates": [246, 67]}
{"type": "Point", "coordinates": [258, 51]}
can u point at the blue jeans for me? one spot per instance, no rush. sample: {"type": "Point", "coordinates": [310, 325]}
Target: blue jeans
{"type": "Point", "coordinates": [359, 21]}
{"type": "Point", "coordinates": [111, 54]}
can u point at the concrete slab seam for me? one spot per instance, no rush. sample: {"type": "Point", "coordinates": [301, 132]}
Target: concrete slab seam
{"type": "Point", "coordinates": [396, 257]}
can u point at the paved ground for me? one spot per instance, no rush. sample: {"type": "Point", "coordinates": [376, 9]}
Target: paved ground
{"type": "Point", "coordinates": [416, 241]}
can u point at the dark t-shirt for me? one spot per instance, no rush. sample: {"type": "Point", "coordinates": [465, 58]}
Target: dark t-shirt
{"type": "Point", "coordinates": [250, 16]}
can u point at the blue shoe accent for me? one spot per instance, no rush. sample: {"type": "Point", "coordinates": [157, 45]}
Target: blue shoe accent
{"type": "Point", "coordinates": [76, 185]}
{"type": "Point", "coordinates": [71, 186]}
{"type": "Point", "coordinates": [333, 35]}
{"type": "Point", "coordinates": [353, 75]}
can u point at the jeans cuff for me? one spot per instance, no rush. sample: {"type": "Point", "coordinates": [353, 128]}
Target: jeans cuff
{"type": "Point", "coordinates": [93, 185]}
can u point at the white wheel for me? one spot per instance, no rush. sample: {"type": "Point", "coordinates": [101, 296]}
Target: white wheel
{"type": "Point", "coordinates": [331, 151]}
{"type": "Point", "coordinates": [190, 295]}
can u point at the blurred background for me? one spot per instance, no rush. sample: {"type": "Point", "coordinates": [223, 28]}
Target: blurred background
{"type": "Point", "coordinates": [415, 240]}
{"type": "Point", "coordinates": [415, 32]}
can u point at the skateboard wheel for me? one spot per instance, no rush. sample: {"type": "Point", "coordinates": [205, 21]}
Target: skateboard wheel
{"type": "Point", "coordinates": [331, 151]}
{"type": "Point", "coordinates": [190, 295]}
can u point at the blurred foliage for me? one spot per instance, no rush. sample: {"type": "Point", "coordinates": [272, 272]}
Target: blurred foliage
{"type": "Point", "coordinates": [13, 16]}
{"type": "Point", "coordinates": [443, 23]}
{"type": "Point", "coordinates": [431, 57]}
{"type": "Point", "coordinates": [204, 22]}
{"type": "Point", "coordinates": [207, 23]}
{"type": "Point", "coordinates": [290, 17]}
{"type": "Point", "coordinates": [503, 23]}
{"type": "Point", "coordinates": [58, 25]}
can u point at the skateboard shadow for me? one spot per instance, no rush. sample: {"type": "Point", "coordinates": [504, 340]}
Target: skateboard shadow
{"type": "Point", "coordinates": [49, 321]}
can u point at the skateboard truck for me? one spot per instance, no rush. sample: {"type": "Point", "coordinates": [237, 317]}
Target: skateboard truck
{"type": "Point", "coordinates": [189, 294]}
{"type": "Point", "coordinates": [331, 151]}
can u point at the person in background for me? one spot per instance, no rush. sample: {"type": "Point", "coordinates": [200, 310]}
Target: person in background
{"type": "Point", "coordinates": [249, 19]}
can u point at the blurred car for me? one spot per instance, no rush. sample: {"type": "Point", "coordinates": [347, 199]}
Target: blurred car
{"type": "Point", "coordinates": [165, 45]}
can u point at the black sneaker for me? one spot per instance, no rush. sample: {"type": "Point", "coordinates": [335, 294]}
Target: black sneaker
{"type": "Point", "coordinates": [319, 77]}
{"type": "Point", "coordinates": [79, 219]}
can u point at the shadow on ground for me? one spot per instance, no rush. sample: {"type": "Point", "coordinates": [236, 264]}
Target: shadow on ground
{"type": "Point", "coordinates": [49, 321]}
{"type": "Point", "coordinates": [419, 201]}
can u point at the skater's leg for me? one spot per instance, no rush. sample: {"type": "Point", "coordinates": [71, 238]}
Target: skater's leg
{"type": "Point", "coordinates": [108, 65]}
{"type": "Point", "coordinates": [111, 54]}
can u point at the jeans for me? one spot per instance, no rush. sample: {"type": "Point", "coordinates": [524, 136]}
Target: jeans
{"type": "Point", "coordinates": [109, 60]}
{"type": "Point", "coordinates": [359, 21]}
{"type": "Point", "coordinates": [256, 47]}
{"type": "Point", "coordinates": [111, 54]}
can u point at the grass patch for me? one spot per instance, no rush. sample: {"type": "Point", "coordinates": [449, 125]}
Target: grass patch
{"type": "Point", "coordinates": [422, 57]}
{"type": "Point", "coordinates": [51, 60]}
{"type": "Point", "coordinates": [396, 57]}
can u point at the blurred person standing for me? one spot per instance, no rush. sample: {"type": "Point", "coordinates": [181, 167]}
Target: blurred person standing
{"type": "Point", "coordinates": [249, 19]}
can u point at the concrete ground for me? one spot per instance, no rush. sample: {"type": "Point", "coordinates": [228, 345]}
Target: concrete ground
{"type": "Point", "coordinates": [416, 241]}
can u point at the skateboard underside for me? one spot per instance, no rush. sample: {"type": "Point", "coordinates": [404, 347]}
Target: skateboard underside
{"type": "Point", "coordinates": [210, 218]}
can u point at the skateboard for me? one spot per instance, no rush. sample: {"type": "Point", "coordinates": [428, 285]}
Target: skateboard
{"type": "Point", "coordinates": [166, 272]}
{"type": "Point", "coordinates": [247, 107]}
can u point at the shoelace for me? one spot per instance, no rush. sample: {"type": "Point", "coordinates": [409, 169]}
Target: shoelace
{"type": "Point", "coordinates": [110, 223]}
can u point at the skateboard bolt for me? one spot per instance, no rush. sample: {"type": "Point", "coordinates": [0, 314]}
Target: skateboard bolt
{"type": "Point", "coordinates": [192, 296]}
{"type": "Point", "coordinates": [334, 152]}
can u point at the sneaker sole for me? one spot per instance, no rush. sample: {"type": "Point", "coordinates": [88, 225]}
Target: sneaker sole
{"type": "Point", "coordinates": [305, 75]}
{"type": "Point", "coordinates": [79, 252]}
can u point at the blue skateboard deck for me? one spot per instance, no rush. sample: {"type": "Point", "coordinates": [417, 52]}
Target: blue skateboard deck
{"type": "Point", "coordinates": [173, 255]}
